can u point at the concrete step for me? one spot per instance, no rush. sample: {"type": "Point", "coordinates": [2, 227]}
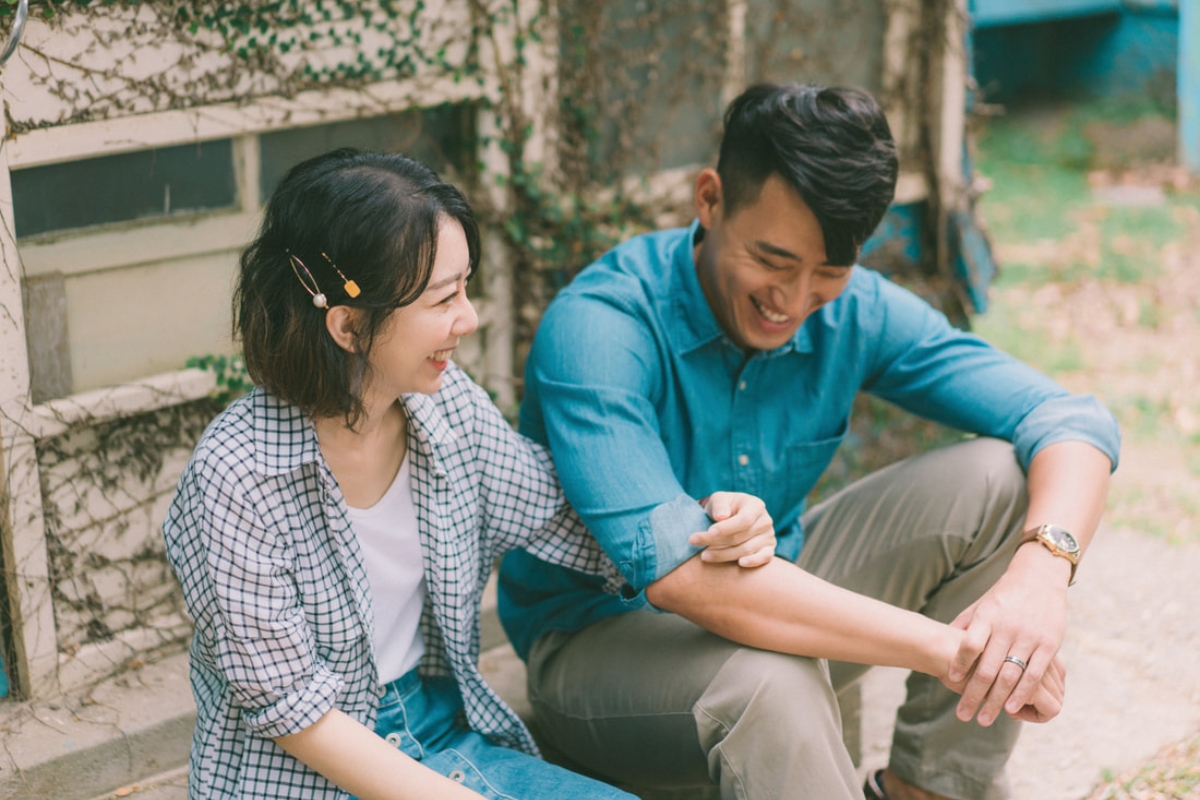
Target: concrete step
{"type": "Point", "coordinates": [79, 745]}
{"type": "Point", "coordinates": [133, 733]}
{"type": "Point", "coordinates": [90, 743]}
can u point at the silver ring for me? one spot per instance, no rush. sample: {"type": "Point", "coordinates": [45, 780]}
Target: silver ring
{"type": "Point", "coordinates": [1016, 661]}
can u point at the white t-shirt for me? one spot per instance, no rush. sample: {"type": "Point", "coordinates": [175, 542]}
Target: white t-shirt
{"type": "Point", "coordinates": [391, 547]}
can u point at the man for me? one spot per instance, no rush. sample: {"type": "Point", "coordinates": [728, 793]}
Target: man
{"type": "Point", "coordinates": [718, 364]}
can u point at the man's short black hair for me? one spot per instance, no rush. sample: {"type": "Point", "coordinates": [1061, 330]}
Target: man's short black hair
{"type": "Point", "coordinates": [832, 145]}
{"type": "Point", "coordinates": [376, 217]}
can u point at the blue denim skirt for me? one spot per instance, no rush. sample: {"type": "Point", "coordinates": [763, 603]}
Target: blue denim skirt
{"type": "Point", "coordinates": [425, 719]}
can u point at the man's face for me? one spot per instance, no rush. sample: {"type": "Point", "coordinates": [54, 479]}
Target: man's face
{"type": "Point", "coordinates": [763, 269]}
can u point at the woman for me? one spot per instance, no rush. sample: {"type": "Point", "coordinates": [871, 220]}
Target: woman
{"type": "Point", "coordinates": [335, 527]}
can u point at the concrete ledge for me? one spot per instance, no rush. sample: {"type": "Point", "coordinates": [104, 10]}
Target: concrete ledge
{"type": "Point", "coordinates": [80, 745]}
{"type": "Point", "coordinates": [86, 744]}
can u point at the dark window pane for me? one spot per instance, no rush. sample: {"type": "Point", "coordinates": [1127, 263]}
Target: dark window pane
{"type": "Point", "coordinates": [148, 183]}
{"type": "Point", "coordinates": [442, 137]}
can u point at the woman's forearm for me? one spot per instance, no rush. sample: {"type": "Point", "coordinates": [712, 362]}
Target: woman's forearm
{"type": "Point", "coordinates": [781, 607]}
{"type": "Point", "coordinates": [351, 755]}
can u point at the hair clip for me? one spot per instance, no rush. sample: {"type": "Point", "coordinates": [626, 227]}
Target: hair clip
{"type": "Point", "coordinates": [350, 286]}
{"type": "Point", "coordinates": [318, 297]}
{"type": "Point", "coordinates": [310, 283]}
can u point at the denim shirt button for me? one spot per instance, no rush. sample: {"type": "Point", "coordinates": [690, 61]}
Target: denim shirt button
{"type": "Point", "coordinates": [458, 776]}
{"type": "Point", "coordinates": [743, 459]}
{"type": "Point", "coordinates": [393, 739]}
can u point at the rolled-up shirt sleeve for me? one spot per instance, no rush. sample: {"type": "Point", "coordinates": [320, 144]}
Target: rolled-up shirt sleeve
{"type": "Point", "coordinates": [595, 373]}
{"type": "Point", "coordinates": [927, 366]}
{"type": "Point", "coordinates": [239, 587]}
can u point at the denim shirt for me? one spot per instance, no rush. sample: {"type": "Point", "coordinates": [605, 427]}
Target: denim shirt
{"type": "Point", "coordinates": [647, 405]}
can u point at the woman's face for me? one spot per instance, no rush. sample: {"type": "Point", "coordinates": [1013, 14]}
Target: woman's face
{"type": "Point", "coordinates": [417, 340]}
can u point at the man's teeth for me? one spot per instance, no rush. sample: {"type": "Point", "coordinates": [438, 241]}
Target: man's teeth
{"type": "Point", "coordinates": [770, 316]}
{"type": "Point", "coordinates": [442, 355]}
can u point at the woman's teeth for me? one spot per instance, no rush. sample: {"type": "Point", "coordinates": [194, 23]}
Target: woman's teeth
{"type": "Point", "coordinates": [442, 355]}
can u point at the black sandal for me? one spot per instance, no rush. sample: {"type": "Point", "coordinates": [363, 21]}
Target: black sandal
{"type": "Point", "coordinates": [873, 788]}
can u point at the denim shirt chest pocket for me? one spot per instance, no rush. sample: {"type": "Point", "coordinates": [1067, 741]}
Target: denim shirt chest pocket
{"type": "Point", "coordinates": [807, 460]}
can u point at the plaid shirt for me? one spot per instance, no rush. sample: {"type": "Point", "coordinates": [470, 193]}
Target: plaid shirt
{"type": "Point", "coordinates": [273, 576]}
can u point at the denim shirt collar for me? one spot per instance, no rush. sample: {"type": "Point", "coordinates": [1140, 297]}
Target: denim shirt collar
{"type": "Point", "coordinates": [691, 323]}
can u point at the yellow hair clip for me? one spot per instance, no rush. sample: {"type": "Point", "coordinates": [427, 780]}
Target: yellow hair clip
{"type": "Point", "coordinates": [350, 286]}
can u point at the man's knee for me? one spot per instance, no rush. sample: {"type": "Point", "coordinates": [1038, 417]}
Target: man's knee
{"type": "Point", "coordinates": [983, 473]}
{"type": "Point", "coordinates": [766, 691]}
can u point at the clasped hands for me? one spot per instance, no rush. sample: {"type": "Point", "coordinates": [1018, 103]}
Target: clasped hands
{"type": "Point", "coordinates": [1022, 616]}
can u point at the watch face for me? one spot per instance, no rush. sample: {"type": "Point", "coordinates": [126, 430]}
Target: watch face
{"type": "Point", "coordinates": [1062, 538]}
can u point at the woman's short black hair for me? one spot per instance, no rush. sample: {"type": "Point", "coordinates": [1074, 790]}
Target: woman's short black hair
{"type": "Point", "coordinates": [376, 217]}
{"type": "Point", "coordinates": [833, 146]}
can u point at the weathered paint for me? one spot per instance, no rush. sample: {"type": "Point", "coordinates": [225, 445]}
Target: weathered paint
{"type": "Point", "coordinates": [1189, 84]}
{"type": "Point", "coordinates": [989, 13]}
{"type": "Point", "coordinates": [1111, 54]}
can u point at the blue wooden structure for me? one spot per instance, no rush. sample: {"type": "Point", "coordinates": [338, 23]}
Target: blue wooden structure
{"type": "Point", "coordinates": [1189, 84]}
{"type": "Point", "coordinates": [1148, 49]}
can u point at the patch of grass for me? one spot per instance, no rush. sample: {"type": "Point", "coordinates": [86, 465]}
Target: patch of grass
{"type": "Point", "coordinates": [1149, 313]}
{"type": "Point", "coordinates": [1002, 328]}
{"type": "Point", "coordinates": [1142, 416]}
{"type": "Point", "coordinates": [1129, 496]}
{"type": "Point", "coordinates": [1149, 365]}
{"type": "Point", "coordinates": [1031, 201]}
{"type": "Point", "coordinates": [1018, 273]}
{"type": "Point", "coordinates": [1174, 772]}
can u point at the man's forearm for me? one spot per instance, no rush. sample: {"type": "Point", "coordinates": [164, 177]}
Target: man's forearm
{"type": "Point", "coordinates": [783, 608]}
{"type": "Point", "coordinates": [1068, 486]}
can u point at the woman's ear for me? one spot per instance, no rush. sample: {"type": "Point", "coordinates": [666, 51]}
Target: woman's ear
{"type": "Point", "coordinates": [342, 323]}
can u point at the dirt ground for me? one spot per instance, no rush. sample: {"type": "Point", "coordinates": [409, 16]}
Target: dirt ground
{"type": "Point", "coordinates": [1099, 247]}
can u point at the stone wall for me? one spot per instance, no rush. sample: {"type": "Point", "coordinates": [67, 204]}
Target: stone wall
{"type": "Point", "coordinates": [105, 491]}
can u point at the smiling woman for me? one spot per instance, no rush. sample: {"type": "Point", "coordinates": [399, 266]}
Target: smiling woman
{"type": "Point", "coordinates": [335, 527]}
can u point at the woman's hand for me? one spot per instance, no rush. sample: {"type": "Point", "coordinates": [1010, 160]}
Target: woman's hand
{"type": "Point", "coordinates": [742, 530]}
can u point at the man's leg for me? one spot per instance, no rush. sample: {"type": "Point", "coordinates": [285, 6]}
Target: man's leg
{"type": "Point", "coordinates": [654, 701]}
{"type": "Point", "coordinates": [931, 534]}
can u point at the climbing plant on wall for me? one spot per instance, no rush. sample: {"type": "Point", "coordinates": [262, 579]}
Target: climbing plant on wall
{"type": "Point", "coordinates": [635, 86]}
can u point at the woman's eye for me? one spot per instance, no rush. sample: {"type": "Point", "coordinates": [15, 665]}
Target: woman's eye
{"type": "Point", "coordinates": [448, 299]}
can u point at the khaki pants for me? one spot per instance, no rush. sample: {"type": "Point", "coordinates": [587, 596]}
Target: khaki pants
{"type": "Point", "coordinates": [651, 700]}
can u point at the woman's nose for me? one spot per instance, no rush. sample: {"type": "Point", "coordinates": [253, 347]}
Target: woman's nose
{"type": "Point", "coordinates": [468, 319]}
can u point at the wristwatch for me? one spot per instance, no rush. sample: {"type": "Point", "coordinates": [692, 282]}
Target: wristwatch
{"type": "Point", "coordinates": [1059, 541]}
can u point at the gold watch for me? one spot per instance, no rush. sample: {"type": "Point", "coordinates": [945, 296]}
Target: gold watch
{"type": "Point", "coordinates": [1059, 541]}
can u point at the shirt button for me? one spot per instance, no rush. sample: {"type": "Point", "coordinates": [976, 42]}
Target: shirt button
{"type": "Point", "coordinates": [393, 739]}
{"type": "Point", "coordinates": [743, 459]}
{"type": "Point", "coordinates": [742, 386]}
{"type": "Point", "coordinates": [458, 776]}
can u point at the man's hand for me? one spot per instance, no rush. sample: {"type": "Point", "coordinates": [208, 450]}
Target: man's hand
{"type": "Point", "coordinates": [1024, 616]}
{"type": "Point", "coordinates": [1043, 705]}
{"type": "Point", "coordinates": [742, 530]}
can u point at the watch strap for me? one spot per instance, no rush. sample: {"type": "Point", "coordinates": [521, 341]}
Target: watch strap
{"type": "Point", "coordinates": [1041, 534]}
